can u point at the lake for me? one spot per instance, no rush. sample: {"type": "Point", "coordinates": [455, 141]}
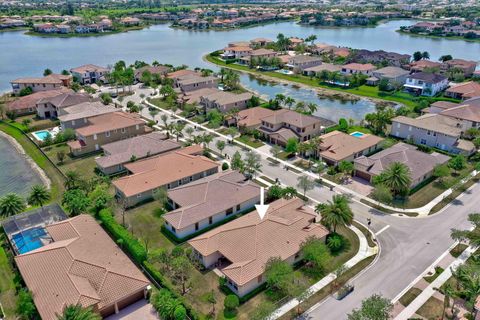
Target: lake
{"type": "Point", "coordinates": [23, 56]}
{"type": "Point", "coordinates": [16, 174]}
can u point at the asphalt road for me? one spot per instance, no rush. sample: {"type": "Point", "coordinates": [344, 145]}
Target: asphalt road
{"type": "Point", "coordinates": [408, 245]}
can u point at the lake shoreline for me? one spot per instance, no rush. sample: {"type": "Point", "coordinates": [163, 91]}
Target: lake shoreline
{"type": "Point", "coordinates": [46, 181]}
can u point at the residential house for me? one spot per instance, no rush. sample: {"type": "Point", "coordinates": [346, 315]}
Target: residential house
{"type": "Point", "coordinates": [468, 67]}
{"type": "Point", "coordinates": [420, 164]}
{"type": "Point", "coordinates": [165, 171]}
{"type": "Point", "coordinates": [130, 21]}
{"type": "Point", "coordinates": [28, 104]}
{"type": "Point", "coordinates": [358, 68]}
{"type": "Point", "coordinates": [117, 154]}
{"type": "Point", "coordinates": [439, 106]}
{"type": "Point", "coordinates": [181, 73]}
{"type": "Point", "coordinates": [210, 200]}
{"type": "Point", "coordinates": [285, 124]}
{"type": "Point", "coordinates": [49, 107]}
{"type": "Point", "coordinates": [89, 73]}
{"type": "Point", "coordinates": [380, 56]}
{"type": "Point", "coordinates": [466, 113]}
{"type": "Point", "coordinates": [295, 42]}
{"type": "Point", "coordinates": [50, 82]}
{"type": "Point", "coordinates": [337, 146]}
{"type": "Point", "coordinates": [77, 115]}
{"type": "Point", "coordinates": [301, 62]}
{"type": "Point", "coordinates": [260, 42]}
{"type": "Point", "coordinates": [106, 128]}
{"type": "Point", "coordinates": [241, 248]}
{"type": "Point", "coordinates": [257, 54]}
{"type": "Point", "coordinates": [465, 90]}
{"type": "Point", "coordinates": [426, 84]}
{"type": "Point", "coordinates": [194, 97]}
{"type": "Point", "coordinates": [161, 71]}
{"type": "Point", "coordinates": [433, 130]}
{"type": "Point", "coordinates": [225, 101]}
{"type": "Point", "coordinates": [394, 75]}
{"type": "Point", "coordinates": [236, 52]}
{"type": "Point", "coordinates": [192, 82]}
{"type": "Point", "coordinates": [316, 70]}
{"type": "Point", "coordinates": [80, 264]}
{"type": "Point", "coordinates": [421, 65]}
{"type": "Point", "coordinates": [251, 118]}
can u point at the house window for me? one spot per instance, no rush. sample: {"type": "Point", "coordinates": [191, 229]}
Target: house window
{"type": "Point", "coordinates": [398, 125]}
{"type": "Point", "coordinates": [229, 211]}
{"type": "Point", "coordinates": [95, 137]}
{"type": "Point", "coordinates": [174, 230]}
{"type": "Point", "coordinates": [238, 207]}
{"type": "Point", "coordinates": [124, 130]}
{"type": "Point", "coordinates": [73, 122]}
{"type": "Point", "coordinates": [139, 195]}
{"type": "Point", "coordinates": [423, 141]}
{"type": "Point", "coordinates": [410, 128]}
{"type": "Point", "coordinates": [210, 220]}
{"type": "Point", "coordinates": [428, 132]}
{"type": "Point", "coordinates": [196, 226]}
{"type": "Point", "coordinates": [297, 255]}
{"type": "Point", "coordinates": [259, 279]}
{"type": "Point", "coordinates": [107, 134]}
{"type": "Point", "coordinates": [136, 127]}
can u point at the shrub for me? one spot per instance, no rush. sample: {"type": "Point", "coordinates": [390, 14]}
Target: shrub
{"type": "Point", "coordinates": [335, 242]}
{"type": "Point", "coordinates": [133, 247]}
{"type": "Point", "coordinates": [180, 313]}
{"type": "Point", "coordinates": [224, 166]}
{"type": "Point", "coordinates": [231, 302]}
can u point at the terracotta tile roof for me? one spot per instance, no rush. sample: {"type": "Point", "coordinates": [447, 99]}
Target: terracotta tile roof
{"type": "Point", "coordinates": [224, 97]}
{"type": "Point", "coordinates": [360, 66]}
{"type": "Point", "coordinates": [338, 146]}
{"type": "Point", "coordinates": [195, 79]}
{"type": "Point", "coordinates": [468, 110]}
{"type": "Point", "coordinates": [292, 117]}
{"type": "Point", "coordinates": [443, 104]}
{"type": "Point", "coordinates": [31, 100]}
{"type": "Point", "coordinates": [193, 97]}
{"type": "Point", "coordinates": [110, 121]}
{"type": "Point", "coordinates": [50, 79]}
{"type": "Point", "coordinates": [83, 265]}
{"type": "Point", "coordinates": [209, 196]}
{"type": "Point", "coordinates": [85, 110]}
{"type": "Point", "coordinates": [159, 171]}
{"type": "Point", "coordinates": [238, 48]}
{"type": "Point", "coordinates": [181, 73]}
{"type": "Point", "coordinates": [89, 68]}
{"type": "Point", "coordinates": [249, 242]}
{"type": "Point", "coordinates": [141, 146]}
{"type": "Point", "coordinates": [253, 116]}
{"type": "Point", "coordinates": [419, 163]}
{"type": "Point", "coordinates": [468, 89]}
{"type": "Point", "coordinates": [65, 99]}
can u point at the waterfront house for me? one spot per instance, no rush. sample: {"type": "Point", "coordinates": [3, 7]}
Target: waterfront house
{"type": "Point", "coordinates": [330, 67]}
{"type": "Point", "coordinates": [260, 42]}
{"type": "Point", "coordinates": [50, 107]}
{"type": "Point", "coordinates": [425, 83]}
{"type": "Point", "coordinates": [236, 52]}
{"type": "Point", "coordinates": [285, 124]}
{"type": "Point", "coordinates": [421, 65]}
{"type": "Point", "coordinates": [164, 171]}
{"type": "Point", "coordinates": [106, 128]}
{"type": "Point", "coordinates": [192, 82]}
{"type": "Point", "coordinates": [466, 113]}
{"type": "Point", "coordinates": [225, 101]}
{"type": "Point", "coordinates": [77, 115]}
{"type": "Point", "coordinates": [420, 164]}
{"type": "Point", "coordinates": [358, 68]}
{"type": "Point", "coordinates": [28, 104]}
{"type": "Point", "coordinates": [130, 21]}
{"type": "Point", "coordinates": [194, 97]}
{"type": "Point", "coordinates": [301, 62]}
{"type": "Point", "coordinates": [241, 248]}
{"type": "Point", "coordinates": [117, 154]}
{"type": "Point", "coordinates": [337, 146]}
{"type": "Point", "coordinates": [208, 201]}
{"type": "Point", "coordinates": [392, 74]}
{"type": "Point", "coordinates": [160, 71]}
{"type": "Point", "coordinates": [251, 118]}
{"type": "Point", "coordinates": [468, 67]}
{"type": "Point", "coordinates": [89, 73]}
{"type": "Point", "coordinates": [294, 42]}
{"type": "Point", "coordinates": [433, 130]}
{"type": "Point", "coordinates": [439, 106]}
{"type": "Point", "coordinates": [380, 56]}
{"type": "Point", "coordinates": [465, 90]}
{"type": "Point", "coordinates": [50, 82]}
{"type": "Point", "coordinates": [80, 264]}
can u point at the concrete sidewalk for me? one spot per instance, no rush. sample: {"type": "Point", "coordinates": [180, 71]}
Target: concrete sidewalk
{"type": "Point", "coordinates": [419, 301]}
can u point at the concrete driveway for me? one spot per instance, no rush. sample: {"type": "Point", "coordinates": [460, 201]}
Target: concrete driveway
{"type": "Point", "coordinates": [139, 310]}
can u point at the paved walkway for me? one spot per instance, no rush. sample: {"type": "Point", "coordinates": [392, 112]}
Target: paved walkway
{"type": "Point", "coordinates": [419, 301]}
{"type": "Point", "coordinates": [139, 310]}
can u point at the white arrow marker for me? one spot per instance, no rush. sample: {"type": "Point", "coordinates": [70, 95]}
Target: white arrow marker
{"type": "Point", "coordinates": [262, 208]}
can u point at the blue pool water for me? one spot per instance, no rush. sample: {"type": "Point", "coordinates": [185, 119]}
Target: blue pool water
{"type": "Point", "coordinates": [41, 135]}
{"type": "Point", "coordinates": [357, 134]}
{"type": "Point", "coordinates": [29, 239]}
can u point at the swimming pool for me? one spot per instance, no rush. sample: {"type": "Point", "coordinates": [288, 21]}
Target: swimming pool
{"type": "Point", "coordinates": [284, 71]}
{"type": "Point", "coordinates": [41, 135]}
{"type": "Point", "coordinates": [29, 239]}
{"type": "Point", "coordinates": [357, 134]}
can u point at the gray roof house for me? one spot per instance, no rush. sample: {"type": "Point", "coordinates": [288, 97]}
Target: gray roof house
{"type": "Point", "coordinates": [225, 101]}
{"type": "Point", "coordinates": [49, 107]}
{"type": "Point", "coordinates": [302, 62]}
{"type": "Point", "coordinates": [421, 164]}
{"type": "Point", "coordinates": [392, 74]}
{"type": "Point", "coordinates": [425, 83]}
{"type": "Point", "coordinates": [433, 130]}
{"type": "Point", "coordinates": [210, 200]}
{"type": "Point", "coordinates": [77, 116]}
{"type": "Point", "coordinates": [119, 153]}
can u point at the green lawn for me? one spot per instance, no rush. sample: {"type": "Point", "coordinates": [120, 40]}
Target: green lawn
{"type": "Point", "coordinates": [35, 124]}
{"type": "Point", "coordinates": [352, 129]}
{"type": "Point", "coordinates": [85, 166]}
{"type": "Point", "coordinates": [159, 102]}
{"type": "Point", "coordinates": [250, 141]}
{"type": "Point", "coordinates": [34, 152]}
{"type": "Point", "coordinates": [432, 309]}
{"type": "Point", "coordinates": [409, 296]}
{"type": "Point", "coordinates": [457, 251]}
{"type": "Point", "coordinates": [8, 296]}
{"type": "Point", "coordinates": [438, 271]}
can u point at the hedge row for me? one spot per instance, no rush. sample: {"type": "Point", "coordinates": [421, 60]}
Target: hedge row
{"type": "Point", "coordinates": [134, 248]}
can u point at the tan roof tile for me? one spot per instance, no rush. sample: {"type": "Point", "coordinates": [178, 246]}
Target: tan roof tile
{"type": "Point", "coordinates": [338, 146]}
{"type": "Point", "coordinates": [110, 121]}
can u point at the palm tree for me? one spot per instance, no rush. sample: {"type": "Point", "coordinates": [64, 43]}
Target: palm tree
{"type": "Point", "coordinates": [72, 179]}
{"type": "Point", "coordinates": [397, 178]}
{"type": "Point", "coordinates": [289, 102]}
{"type": "Point", "coordinates": [177, 129]}
{"type": "Point", "coordinates": [11, 204]}
{"type": "Point", "coordinates": [207, 139]}
{"type": "Point", "coordinates": [77, 312]}
{"type": "Point", "coordinates": [312, 107]}
{"type": "Point", "coordinates": [335, 213]}
{"type": "Point", "coordinates": [39, 194]}
{"type": "Point", "coordinates": [280, 98]}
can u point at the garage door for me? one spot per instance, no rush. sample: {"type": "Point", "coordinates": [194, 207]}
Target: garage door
{"type": "Point", "coordinates": [362, 175]}
{"type": "Point", "coordinates": [131, 299]}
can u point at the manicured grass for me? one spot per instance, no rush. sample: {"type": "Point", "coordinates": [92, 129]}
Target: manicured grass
{"type": "Point", "coordinates": [250, 141]}
{"type": "Point", "coordinates": [42, 161]}
{"type": "Point", "coordinates": [359, 129]}
{"type": "Point", "coordinates": [284, 155]}
{"type": "Point", "coordinates": [409, 296]}
{"type": "Point", "coordinates": [432, 309]}
{"type": "Point", "coordinates": [456, 192]}
{"type": "Point", "coordinates": [35, 124]}
{"type": "Point", "coordinates": [304, 164]}
{"type": "Point", "coordinates": [438, 271]}
{"type": "Point", "coordinates": [8, 296]}
{"type": "Point", "coordinates": [159, 102]}
{"type": "Point", "coordinates": [367, 234]}
{"type": "Point", "coordinates": [457, 251]}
